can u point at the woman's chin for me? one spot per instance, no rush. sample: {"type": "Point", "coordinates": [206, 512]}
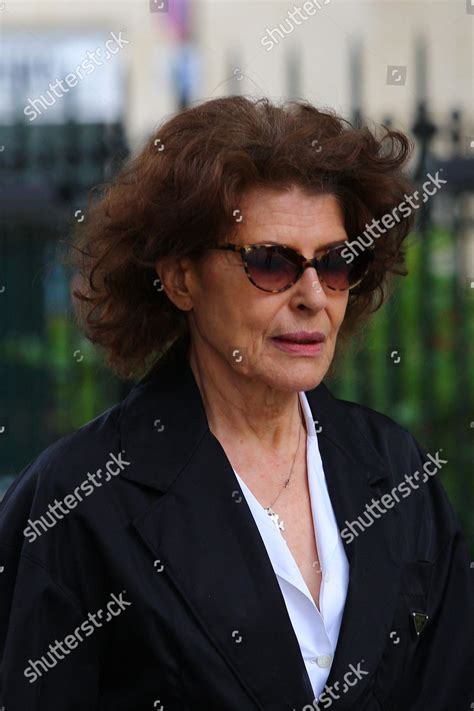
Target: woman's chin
{"type": "Point", "coordinates": [294, 380]}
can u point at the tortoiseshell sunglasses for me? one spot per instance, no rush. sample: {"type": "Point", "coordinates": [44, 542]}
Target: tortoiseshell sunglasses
{"type": "Point", "coordinates": [276, 267]}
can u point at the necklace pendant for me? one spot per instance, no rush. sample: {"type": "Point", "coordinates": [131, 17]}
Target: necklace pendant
{"type": "Point", "coordinates": [275, 518]}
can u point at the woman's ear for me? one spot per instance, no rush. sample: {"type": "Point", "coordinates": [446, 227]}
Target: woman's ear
{"type": "Point", "coordinates": [174, 274]}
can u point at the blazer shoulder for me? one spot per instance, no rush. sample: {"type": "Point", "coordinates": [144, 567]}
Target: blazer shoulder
{"type": "Point", "coordinates": [56, 470]}
{"type": "Point", "coordinates": [371, 417]}
{"type": "Point", "coordinates": [391, 439]}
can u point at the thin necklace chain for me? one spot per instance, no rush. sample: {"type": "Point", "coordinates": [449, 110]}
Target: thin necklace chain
{"type": "Point", "coordinates": [273, 514]}
{"type": "Point", "coordinates": [287, 481]}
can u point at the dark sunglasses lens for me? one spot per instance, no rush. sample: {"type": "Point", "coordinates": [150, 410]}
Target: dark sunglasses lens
{"type": "Point", "coordinates": [271, 269]}
{"type": "Point", "coordinates": [338, 274]}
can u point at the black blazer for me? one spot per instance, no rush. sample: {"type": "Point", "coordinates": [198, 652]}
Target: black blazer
{"type": "Point", "coordinates": [156, 522]}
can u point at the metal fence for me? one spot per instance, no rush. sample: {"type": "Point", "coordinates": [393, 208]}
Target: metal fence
{"type": "Point", "coordinates": [52, 381]}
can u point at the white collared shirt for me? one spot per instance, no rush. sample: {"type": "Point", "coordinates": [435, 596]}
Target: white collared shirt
{"type": "Point", "coordinates": [317, 632]}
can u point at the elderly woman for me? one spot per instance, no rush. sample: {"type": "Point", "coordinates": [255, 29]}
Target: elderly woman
{"type": "Point", "coordinates": [260, 543]}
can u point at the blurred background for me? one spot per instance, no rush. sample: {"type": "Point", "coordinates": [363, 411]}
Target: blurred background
{"type": "Point", "coordinates": [133, 64]}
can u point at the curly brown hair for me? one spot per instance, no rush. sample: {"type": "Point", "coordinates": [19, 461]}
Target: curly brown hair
{"type": "Point", "coordinates": [177, 197]}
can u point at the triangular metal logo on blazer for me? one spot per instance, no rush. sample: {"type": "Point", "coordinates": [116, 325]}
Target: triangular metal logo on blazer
{"type": "Point", "coordinates": [419, 622]}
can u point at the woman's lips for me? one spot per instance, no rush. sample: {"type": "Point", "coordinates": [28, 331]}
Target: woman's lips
{"type": "Point", "coordinates": [289, 346]}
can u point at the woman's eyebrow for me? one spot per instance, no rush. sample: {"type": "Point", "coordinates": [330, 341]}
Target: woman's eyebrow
{"type": "Point", "coordinates": [336, 243]}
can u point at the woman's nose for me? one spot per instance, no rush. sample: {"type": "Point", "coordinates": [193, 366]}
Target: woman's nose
{"type": "Point", "coordinates": [313, 276]}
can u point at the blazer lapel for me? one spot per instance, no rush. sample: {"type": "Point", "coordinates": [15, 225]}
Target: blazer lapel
{"type": "Point", "coordinates": [202, 531]}
{"type": "Point", "coordinates": [354, 471]}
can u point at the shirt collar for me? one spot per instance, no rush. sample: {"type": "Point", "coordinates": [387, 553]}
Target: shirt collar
{"type": "Point", "coordinates": [308, 415]}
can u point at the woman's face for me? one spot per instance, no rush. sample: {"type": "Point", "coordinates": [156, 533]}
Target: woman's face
{"type": "Point", "coordinates": [234, 322]}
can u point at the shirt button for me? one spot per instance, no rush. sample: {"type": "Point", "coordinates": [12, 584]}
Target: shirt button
{"type": "Point", "coordinates": [324, 660]}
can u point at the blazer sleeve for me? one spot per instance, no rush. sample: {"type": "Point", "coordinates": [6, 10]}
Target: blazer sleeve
{"type": "Point", "coordinates": [442, 673]}
{"type": "Point", "coordinates": [36, 614]}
